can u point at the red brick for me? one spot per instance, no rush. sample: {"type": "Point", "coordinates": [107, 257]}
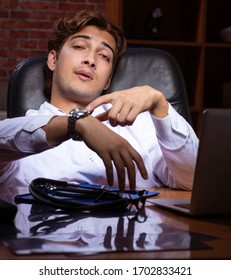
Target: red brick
{"type": "Point", "coordinates": [8, 24]}
{"type": "Point", "coordinates": [51, 16]}
{"type": "Point", "coordinates": [10, 43]}
{"type": "Point", "coordinates": [35, 25]}
{"type": "Point", "coordinates": [4, 33]}
{"type": "Point", "coordinates": [42, 45]}
{"type": "Point", "coordinates": [94, 1]}
{"type": "Point", "coordinates": [4, 14]}
{"type": "Point", "coordinates": [3, 74]}
{"type": "Point", "coordinates": [19, 53]}
{"type": "Point", "coordinates": [8, 63]}
{"type": "Point", "coordinates": [44, 34]}
{"type": "Point", "coordinates": [28, 44]}
{"type": "Point", "coordinates": [20, 15]}
{"type": "Point", "coordinates": [10, 4]}
{"type": "Point", "coordinates": [4, 52]}
{"type": "Point", "coordinates": [38, 52]}
{"type": "Point", "coordinates": [38, 5]}
{"type": "Point", "coordinates": [74, 7]}
{"type": "Point", "coordinates": [17, 34]}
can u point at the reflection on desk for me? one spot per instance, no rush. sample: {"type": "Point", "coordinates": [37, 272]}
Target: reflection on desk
{"type": "Point", "coordinates": [148, 233]}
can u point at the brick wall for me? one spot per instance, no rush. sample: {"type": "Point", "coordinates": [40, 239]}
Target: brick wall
{"type": "Point", "coordinates": [25, 26]}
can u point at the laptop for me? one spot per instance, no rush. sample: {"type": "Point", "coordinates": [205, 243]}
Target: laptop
{"type": "Point", "coordinates": [211, 193]}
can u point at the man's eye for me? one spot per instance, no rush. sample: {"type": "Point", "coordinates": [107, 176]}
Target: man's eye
{"type": "Point", "coordinates": [78, 47]}
{"type": "Point", "coordinates": [105, 57]}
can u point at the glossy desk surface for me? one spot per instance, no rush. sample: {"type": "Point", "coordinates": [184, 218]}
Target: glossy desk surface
{"type": "Point", "coordinates": [201, 238]}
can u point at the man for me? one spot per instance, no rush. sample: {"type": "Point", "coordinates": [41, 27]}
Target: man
{"type": "Point", "coordinates": [129, 138]}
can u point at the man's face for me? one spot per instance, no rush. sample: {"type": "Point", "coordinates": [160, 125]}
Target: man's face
{"type": "Point", "coordinates": [83, 67]}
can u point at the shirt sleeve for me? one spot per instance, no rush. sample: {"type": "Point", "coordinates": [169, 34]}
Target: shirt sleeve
{"type": "Point", "coordinates": [172, 130]}
{"type": "Point", "coordinates": [179, 145]}
{"type": "Point", "coordinates": [22, 136]}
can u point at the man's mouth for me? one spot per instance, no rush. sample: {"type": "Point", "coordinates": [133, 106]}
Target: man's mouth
{"type": "Point", "coordinates": [84, 75]}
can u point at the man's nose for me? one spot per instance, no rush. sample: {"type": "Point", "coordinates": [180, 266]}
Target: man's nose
{"type": "Point", "coordinates": [89, 61]}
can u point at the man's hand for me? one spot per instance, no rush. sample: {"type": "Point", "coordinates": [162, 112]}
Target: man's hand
{"type": "Point", "coordinates": [128, 104]}
{"type": "Point", "coordinates": [113, 149]}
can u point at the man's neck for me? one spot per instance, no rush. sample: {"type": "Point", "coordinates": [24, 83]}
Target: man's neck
{"type": "Point", "coordinates": [66, 105]}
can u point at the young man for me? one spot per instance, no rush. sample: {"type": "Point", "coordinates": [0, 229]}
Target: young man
{"type": "Point", "coordinates": [128, 138]}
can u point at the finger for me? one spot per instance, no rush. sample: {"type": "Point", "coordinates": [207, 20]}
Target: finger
{"type": "Point", "coordinates": [139, 162]}
{"type": "Point", "coordinates": [130, 170]}
{"type": "Point", "coordinates": [122, 116]}
{"type": "Point", "coordinates": [120, 168]}
{"type": "Point", "coordinates": [109, 170]}
{"type": "Point", "coordinates": [133, 113]}
{"type": "Point", "coordinates": [114, 112]}
{"type": "Point", "coordinates": [103, 116]}
{"type": "Point", "coordinates": [103, 99]}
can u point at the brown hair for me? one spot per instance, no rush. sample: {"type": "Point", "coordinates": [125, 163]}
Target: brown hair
{"type": "Point", "coordinates": [66, 27]}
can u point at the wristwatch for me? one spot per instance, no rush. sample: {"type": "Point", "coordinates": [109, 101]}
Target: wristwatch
{"type": "Point", "coordinates": [73, 116]}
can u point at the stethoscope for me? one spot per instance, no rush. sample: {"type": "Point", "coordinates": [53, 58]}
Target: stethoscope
{"type": "Point", "coordinates": [84, 196]}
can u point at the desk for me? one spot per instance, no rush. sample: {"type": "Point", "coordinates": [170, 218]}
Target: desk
{"type": "Point", "coordinates": [218, 228]}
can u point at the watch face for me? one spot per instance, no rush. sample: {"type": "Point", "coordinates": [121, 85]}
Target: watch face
{"type": "Point", "coordinates": [79, 113]}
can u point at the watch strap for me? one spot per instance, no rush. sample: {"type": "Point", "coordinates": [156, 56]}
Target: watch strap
{"type": "Point", "coordinates": [73, 116]}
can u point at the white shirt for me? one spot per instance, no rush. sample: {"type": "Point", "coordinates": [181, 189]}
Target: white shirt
{"type": "Point", "coordinates": [168, 147]}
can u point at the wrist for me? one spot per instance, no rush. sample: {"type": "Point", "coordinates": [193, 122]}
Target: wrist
{"type": "Point", "coordinates": [73, 117]}
{"type": "Point", "coordinates": [55, 130]}
{"type": "Point", "coordinates": [160, 109]}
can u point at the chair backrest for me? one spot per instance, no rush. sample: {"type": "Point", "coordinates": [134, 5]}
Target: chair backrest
{"type": "Point", "coordinates": [138, 66]}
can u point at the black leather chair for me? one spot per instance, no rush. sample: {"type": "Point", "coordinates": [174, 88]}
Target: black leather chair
{"type": "Point", "coordinates": [138, 66]}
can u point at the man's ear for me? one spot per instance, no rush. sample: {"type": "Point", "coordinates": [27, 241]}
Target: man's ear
{"type": "Point", "coordinates": [51, 60]}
